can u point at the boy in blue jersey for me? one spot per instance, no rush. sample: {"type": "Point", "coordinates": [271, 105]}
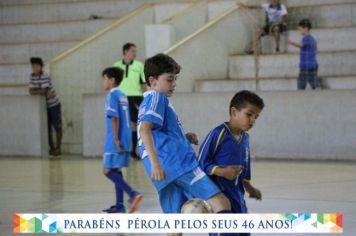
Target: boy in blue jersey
{"type": "Point", "coordinates": [225, 153]}
{"type": "Point", "coordinates": [308, 63]}
{"type": "Point", "coordinates": [118, 143]}
{"type": "Point", "coordinates": [166, 153]}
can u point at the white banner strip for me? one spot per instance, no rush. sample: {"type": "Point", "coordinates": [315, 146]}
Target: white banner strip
{"type": "Point", "coordinates": [179, 223]}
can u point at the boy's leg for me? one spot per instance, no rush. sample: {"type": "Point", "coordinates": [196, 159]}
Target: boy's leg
{"type": "Point", "coordinates": [219, 203]}
{"type": "Point", "coordinates": [172, 198]}
{"type": "Point", "coordinates": [135, 197]}
{"type": "Point", "coordinates": [302, 82]}
{"type": "Point", "coordinates": [56, 120]}
{"type": "Point", "coordinates": [312, 79]}
{"type": "Point", "coordinates": [277, 36]}
{"type": "Point", "coordinates": [58, 140]}
{"type": "Point", "coordinates": [236, 208]}
{"type": "Point", "coordinates": [256, 41]}
{"type": "Point", "coordinates": [122, 160]}
{"type": "Point", "coordinates": [134, 104]}
{"type": "Point", "coordinates": [199, 185]}
{"type": "Point", "coordinates": [116, 176]}
{"type": "Point", "coordinates": [50, 133]}
{"type": "Point", "coordinates": [119, 203]}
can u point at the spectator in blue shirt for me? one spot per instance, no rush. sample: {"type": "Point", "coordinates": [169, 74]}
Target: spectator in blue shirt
{"type": "Point", "coordinates": [308, 64]}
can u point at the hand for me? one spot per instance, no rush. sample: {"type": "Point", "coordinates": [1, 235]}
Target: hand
{"type": "Point", "coordinates": [255, 193]}
{"type": "Point", "coordinates": [50, 94]}
{"type": "Point", "coordinates": [118, 145]}
{"type": "Point", "coordinates": [192, 138]}
{"type": "Point", "coordinates": [157, 172]}
{"type": "Point", "coordinates": [231, 172]}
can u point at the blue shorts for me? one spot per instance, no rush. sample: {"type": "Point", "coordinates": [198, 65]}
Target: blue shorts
{"type": "Point", "coordinates": [116, 160]}
{"type": "Point", "coordinates": [54, 117]}
{"type": "Point", "coordinates": [193, 184]}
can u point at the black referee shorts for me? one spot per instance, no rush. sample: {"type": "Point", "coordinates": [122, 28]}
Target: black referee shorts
{"type": "Point", "coordinates": [134, 104]}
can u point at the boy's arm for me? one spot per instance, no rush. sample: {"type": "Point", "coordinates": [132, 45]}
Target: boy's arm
{"type": "Point", "coordinates": [143, 88]}
{"type": "Point", "coordinates": [143, 83]}
{"type": "Point", "coordinates": [228, 172]}
{"type": "Point", "coordinates": [254, 192]}
{"type": "Point", "coordinates": [42, 90]}
{"type": "Point", "coordinates": [38, 91]}
{"type": "Point", "coordinates": [115, 128]}
{"type": "Point", "coordinates": [192, 138]}
{"type": "Point", "coordinates": [295, 44]}
{"type": "Point", "coordinates": [284, 19]}
{"type": "Point", "coordinates": [157, 172]}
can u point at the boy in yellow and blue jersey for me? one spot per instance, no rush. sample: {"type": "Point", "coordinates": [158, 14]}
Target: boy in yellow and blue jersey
{"type": "Point", "coordinates": [166, 153]}
{"type": "Point", "coordinates": [225, 153]}
{"type": "Point", "coordinates": [118, 143]}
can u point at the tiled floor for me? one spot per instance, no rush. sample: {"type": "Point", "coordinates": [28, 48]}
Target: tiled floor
{"type": "Point", "coordinates": [76, 185]}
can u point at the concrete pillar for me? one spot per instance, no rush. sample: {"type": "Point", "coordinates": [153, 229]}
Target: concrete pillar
{"type": "Point", "coordinates": [159, 37]}
{"type": "Point", "coordinates": [23, 126]}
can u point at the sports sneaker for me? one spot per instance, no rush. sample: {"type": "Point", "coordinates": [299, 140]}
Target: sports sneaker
{"type": "Point", "coordinates": [135, 202]}
{"type": "Point", "coordinates": [114, 209]}
{"type": "Point", "coordinates": [106, 210]}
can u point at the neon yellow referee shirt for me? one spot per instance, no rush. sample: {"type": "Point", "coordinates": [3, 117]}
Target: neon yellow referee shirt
{"type": "Point", "coordinates": [134, 77]}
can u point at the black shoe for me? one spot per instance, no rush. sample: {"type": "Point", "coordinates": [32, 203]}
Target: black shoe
{"type": "Point", "coordinates": [277, 50]}
{"type": "Point", "coordinates": [114, 209]}
{"type": "Point", "coordinates": [56, 152]}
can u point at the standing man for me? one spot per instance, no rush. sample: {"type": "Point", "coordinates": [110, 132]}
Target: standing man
{"type": "Point", "coordinates": [133, 86]}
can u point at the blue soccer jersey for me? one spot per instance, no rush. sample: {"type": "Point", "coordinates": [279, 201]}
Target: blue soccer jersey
{"type": "Point", "coordinates": [116, 105]}
{"type": "Point", "coordinates": [174, 151]}
{"type": "Point", "coordinates": [308, 53]}
{"type": "Point", "coordinates": [220, 149]}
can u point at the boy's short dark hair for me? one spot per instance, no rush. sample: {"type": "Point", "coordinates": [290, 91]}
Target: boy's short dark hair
{"type": "Point", "coordinates": [36, 61]}
{"type": "Point", "coordinates": [127, 46]}
{"type": "Point", "coordinates": [160, 64]}
{"type": "Point", "coordinates": [114, 72]}
{"type": "Point", "coordinates": [305, 23]}
{"type": "Point", "coordinates": [244, 98]}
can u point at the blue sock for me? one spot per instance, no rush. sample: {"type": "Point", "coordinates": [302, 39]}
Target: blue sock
{"type": "Point", "coordinates": [120, 183]}
{"type": "Point", "coordinates": [118, 191]}
{"type": "Point", "coordinates": [126, 187]}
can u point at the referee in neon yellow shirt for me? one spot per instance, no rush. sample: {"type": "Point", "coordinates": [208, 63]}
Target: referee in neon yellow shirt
{"type": "Point", "coordinates": [133, 85]}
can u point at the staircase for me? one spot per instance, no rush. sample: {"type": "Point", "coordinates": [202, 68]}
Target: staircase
{"type": "Point", "coordinates": [334, 26]}
{"type": "Point", "coordinates": [46, 29]}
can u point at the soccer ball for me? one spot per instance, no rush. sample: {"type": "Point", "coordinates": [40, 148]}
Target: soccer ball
{"type": "Point", "coordinates": [196, 205]}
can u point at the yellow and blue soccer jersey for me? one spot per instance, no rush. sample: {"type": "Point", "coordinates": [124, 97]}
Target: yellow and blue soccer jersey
{"type": "Point", "coordinates": [220, 149]}
{"type": "Point", "coordinates": [116, 105]}
{"type": "Point", "coordinates": [174, 151]}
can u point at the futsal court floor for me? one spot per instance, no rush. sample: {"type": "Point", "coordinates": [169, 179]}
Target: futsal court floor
{"type": "Point", "coordinates": [75, 185]}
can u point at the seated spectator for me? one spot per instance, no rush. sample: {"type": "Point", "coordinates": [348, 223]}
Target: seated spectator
{"type": "Point", "coordinates": [276, 23]}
